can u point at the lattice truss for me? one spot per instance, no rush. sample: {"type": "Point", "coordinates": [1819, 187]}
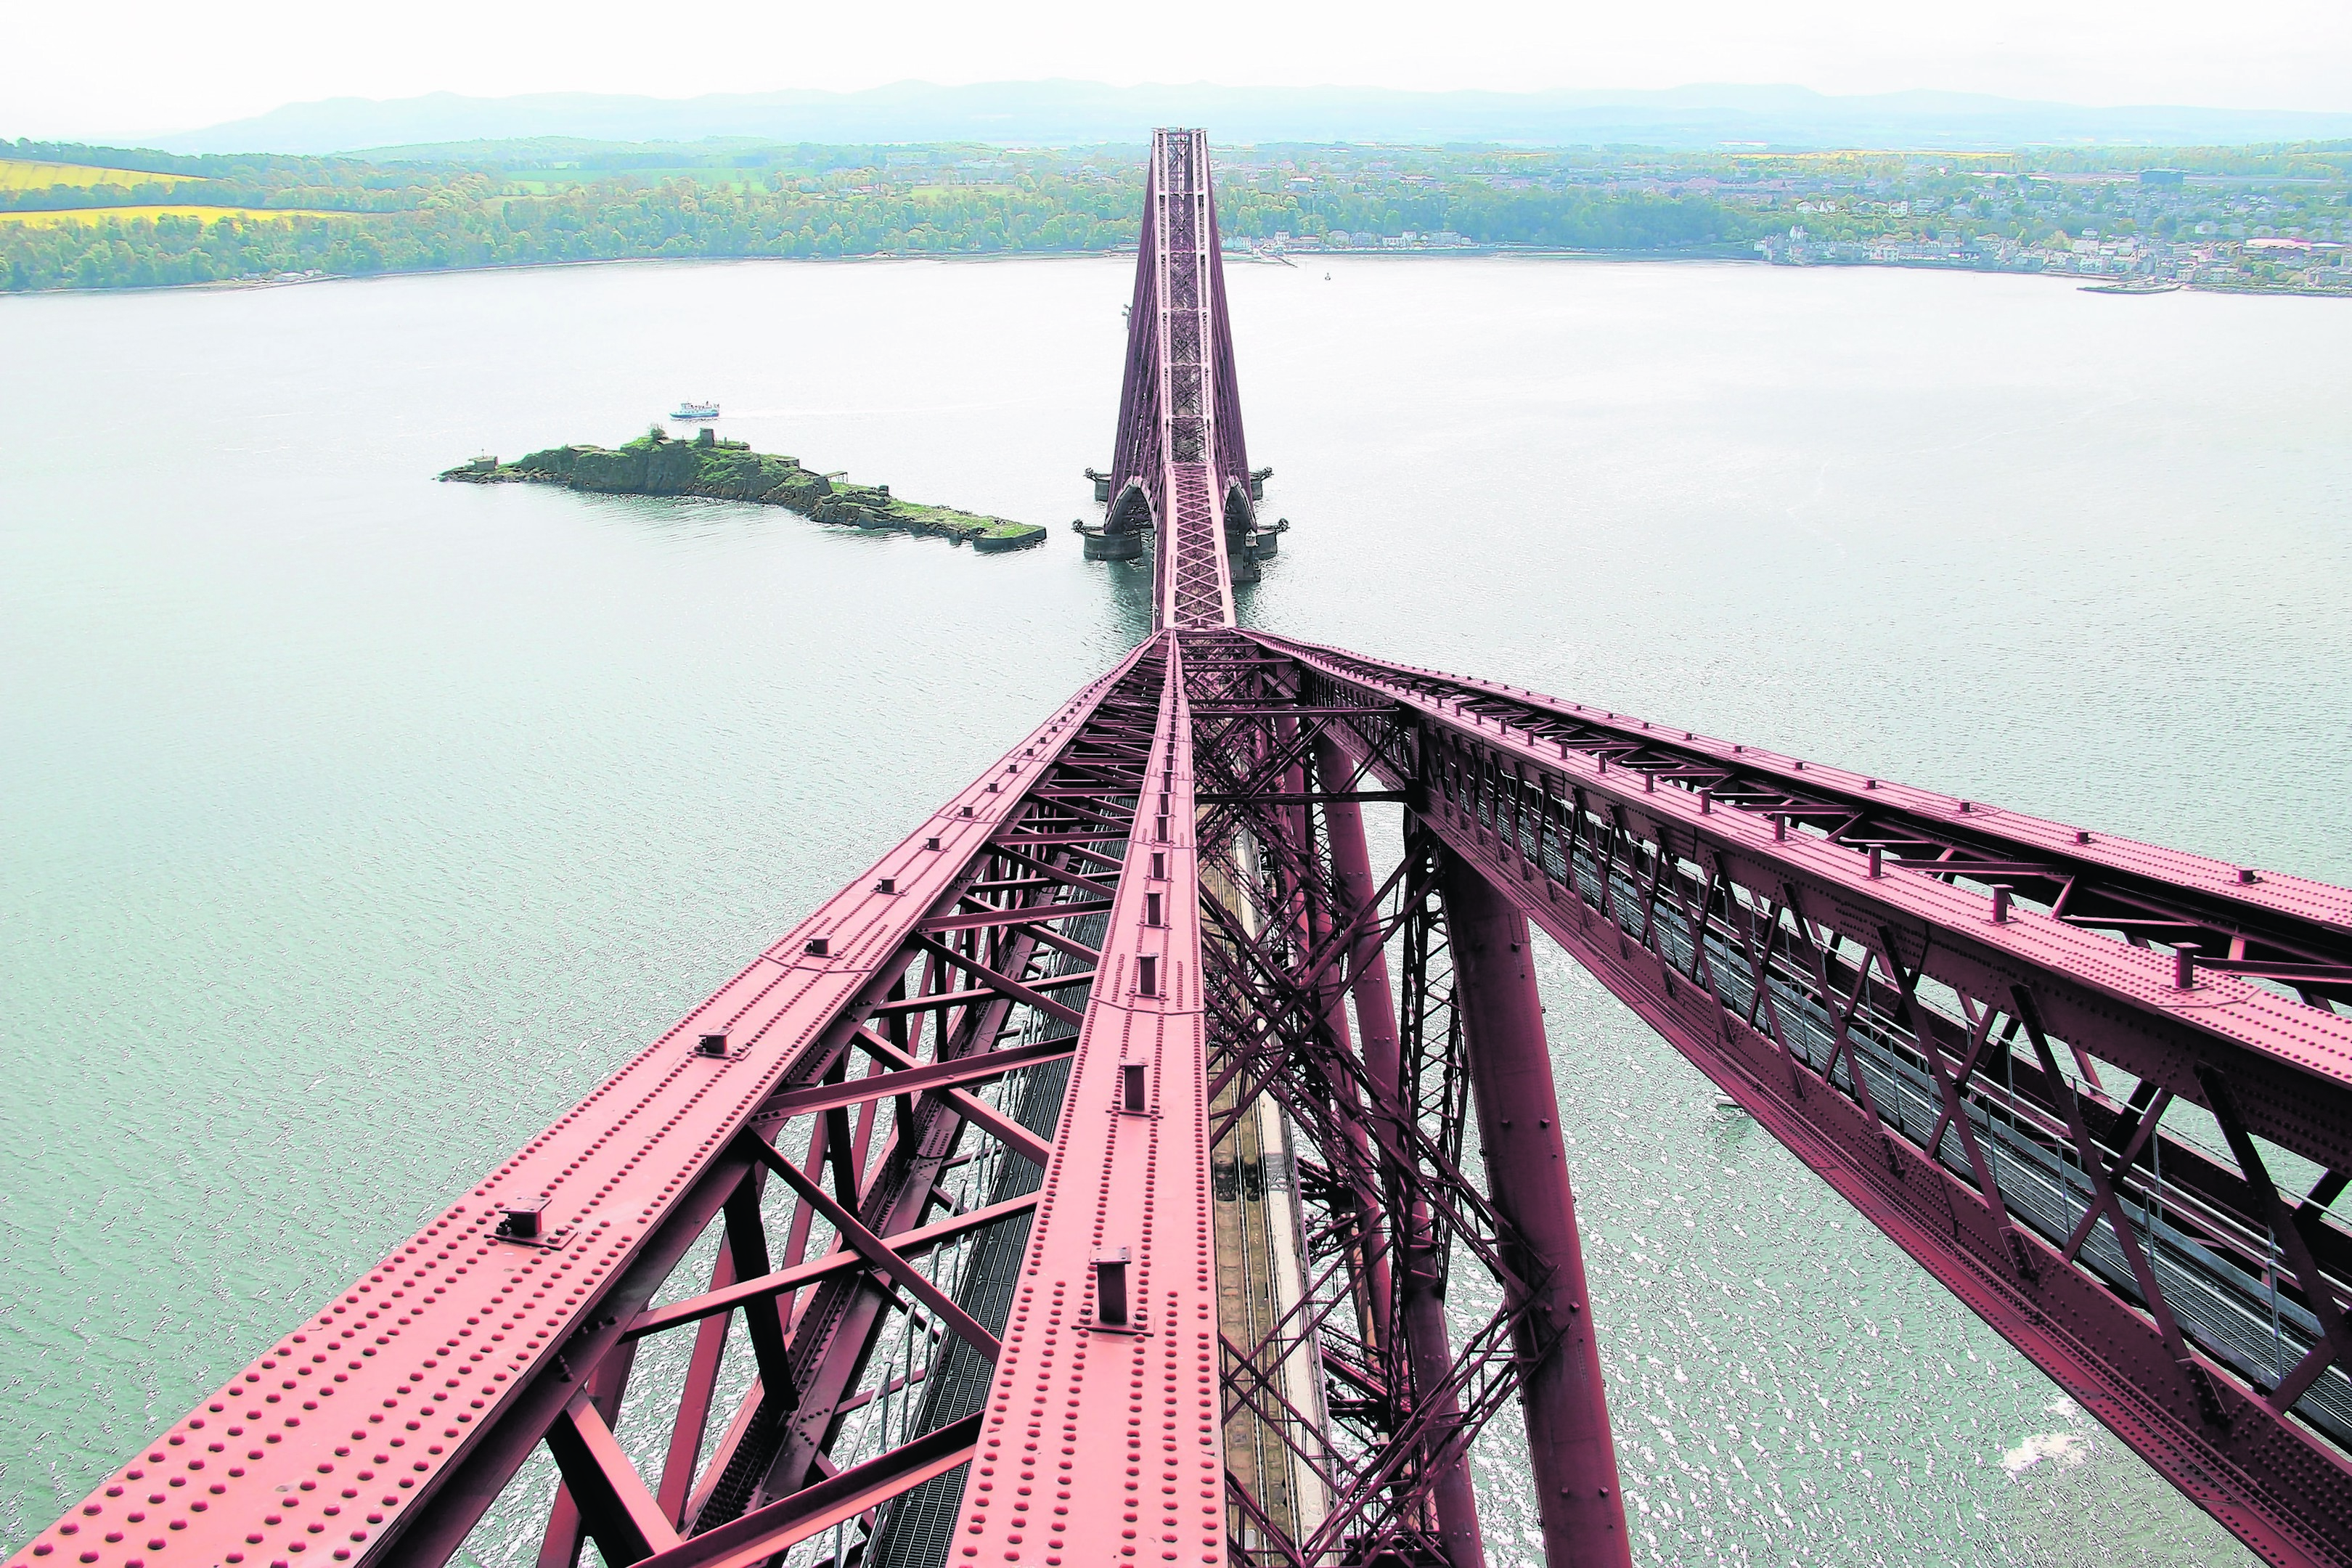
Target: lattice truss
{"type": "Point", "coordinates": [851, 1134]}
{"type": "Point", "coordinates": [2002, 1038]}
{"type": "Point", "coordinates": [874, 1333]}
{"type": "Point", "coordinates": [1180, 466]}
{"type": "Point", "coordinates": [1195, 577]}
{"type": "Point", "coordinates": [1350, 1407]}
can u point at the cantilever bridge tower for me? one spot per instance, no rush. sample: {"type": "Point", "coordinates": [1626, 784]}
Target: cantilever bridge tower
{"type": "Point", "coordinates": [1179, 468]}
{"type": "Point", "coordinates": [1081, 1187]}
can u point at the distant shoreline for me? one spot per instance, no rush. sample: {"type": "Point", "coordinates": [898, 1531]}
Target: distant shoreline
{"type": "Point", "coordinates": [1302, 262]}
{"type": "Point", "coordinates": [239, 285]}
{"type": "Point", "coordinates": [2264, 219]}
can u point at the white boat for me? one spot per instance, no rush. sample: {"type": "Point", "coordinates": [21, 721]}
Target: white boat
{"type": "Point", "coordinates": [696, 411]}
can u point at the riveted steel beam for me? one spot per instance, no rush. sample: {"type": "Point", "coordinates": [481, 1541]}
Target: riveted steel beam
{"type": "Point", "coordinates": [1985, 1078]}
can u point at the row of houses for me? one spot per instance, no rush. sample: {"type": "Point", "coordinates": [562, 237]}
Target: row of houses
{"type": "Point", "coordinates": [1285, 243]}
{"type": "Point", "coordinates": [2317, 264]}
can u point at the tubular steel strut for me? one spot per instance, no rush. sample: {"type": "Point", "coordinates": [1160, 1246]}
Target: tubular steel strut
{"type": "Point", "coordinates": [2078, 1133]}
{"type": "Point", "coordinates": [1083, 1185]}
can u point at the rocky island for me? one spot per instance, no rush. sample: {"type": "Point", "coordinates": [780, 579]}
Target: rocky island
{"type": "Point", "coordinates": [655, 464]}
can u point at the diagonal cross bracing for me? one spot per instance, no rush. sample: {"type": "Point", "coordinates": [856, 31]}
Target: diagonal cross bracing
{"type": "Point", "coordinates": [1351, 1399]}
{"type": "Point", "coordinates": [1997, 1094]}
{"type": "Point", "coordinates": [967, 1145]}
{"type": "Point", "coordinates": [1104, 1421]}
{"type": "Point", "coordinates": [2241, 918]}
{"type": "Point", "coordinates": [405, 1404]}
{"type": "Point", "coordinates": [1988, 1082]}
{"type": "Point", "coordinates": [1180, 445]}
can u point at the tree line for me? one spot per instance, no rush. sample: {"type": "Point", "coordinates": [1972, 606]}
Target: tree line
{"type": "Point", "coordinates": [429, 218]}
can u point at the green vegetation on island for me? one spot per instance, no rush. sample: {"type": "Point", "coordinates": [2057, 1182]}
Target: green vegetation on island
{"type": "Point", "coordinates": [655, 464]}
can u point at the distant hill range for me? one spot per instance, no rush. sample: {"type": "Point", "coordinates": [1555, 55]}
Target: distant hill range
{"type": "Point", "coordinates": [1085, 114]}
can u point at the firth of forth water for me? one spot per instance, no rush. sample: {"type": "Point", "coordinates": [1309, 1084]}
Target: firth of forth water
{"type": "Point", "coordinates": [351, 826]}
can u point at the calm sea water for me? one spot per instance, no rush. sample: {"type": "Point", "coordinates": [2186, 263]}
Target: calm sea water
{"type": "Point", "coordinates": [351, 826]}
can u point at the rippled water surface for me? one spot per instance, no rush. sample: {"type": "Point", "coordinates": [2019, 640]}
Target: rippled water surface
{"type": "Point", "coordinates": [351, 826]}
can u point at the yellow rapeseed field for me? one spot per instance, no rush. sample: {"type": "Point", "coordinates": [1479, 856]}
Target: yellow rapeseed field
{"type": "Point", "coordinates": [28, 174]}
{"type": "Point", "coordinates": [94, 215]}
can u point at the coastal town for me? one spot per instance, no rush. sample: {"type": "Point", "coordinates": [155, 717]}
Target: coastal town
{"type": "Point", "coordinates": [2162, 227]}
{"type": "Point", "coordinates": [2265, 219]}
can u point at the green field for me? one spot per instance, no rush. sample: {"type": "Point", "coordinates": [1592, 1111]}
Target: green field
{"type": "Point", "coordinates": [34, 175]}
{"type": "Point", "coordinates": [93, 217]}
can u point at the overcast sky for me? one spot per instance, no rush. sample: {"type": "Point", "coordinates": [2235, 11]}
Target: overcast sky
{"type": "Point", "coordinates": [143, 65]}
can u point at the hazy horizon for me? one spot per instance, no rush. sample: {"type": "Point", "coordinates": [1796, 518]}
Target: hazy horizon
{"type": "Point", "coordinates": [1074, 113]}
{"type": "Point", "coordinates": [1727, 93]}
{"type": "Point", "coordinates": [164, 70]}
{"type": "Point", "coordinates": [1695, 91]}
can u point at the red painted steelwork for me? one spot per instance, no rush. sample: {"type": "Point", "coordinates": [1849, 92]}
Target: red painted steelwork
{"type": "Point", "coordinates": [1359, 1377]}
{"type": "Point", "coordinates": [1166, 895]}
{"type": "Point", "coordinates": [1102, 1443]}
{"type": "Point", "coordinates": [382, 1426]}
{"type": "Point", "coordinates": [1180, 453]}
{"type": "Point", "coordinates": [1572, 1458]}
{"type": "Point", "coordinates": [2300, 1054]}
{"type": "Point", "coordinates": [1419, 1313]}
{"type": "Point", "coordinates": [2242, 920]}
{"type": "Point", "coordinates": [1918, 978]}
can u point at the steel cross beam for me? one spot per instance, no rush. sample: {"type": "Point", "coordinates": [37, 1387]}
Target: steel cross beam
{"type": "Point", "coordinates": [2236, 918]}
{"type": "Point", "coordinates": [1143, 933]}
{"type": "Point", "coordinates": [1995, 1086]}
{"type": "Point", "coordinates": [382, 1427]}
{"type": "Point", "coordinates": [1102, 1441]}
{"type": "Point", "coordinates": [1181, 467]}
{"type": "Point", "coordinates": [1360, 1379]}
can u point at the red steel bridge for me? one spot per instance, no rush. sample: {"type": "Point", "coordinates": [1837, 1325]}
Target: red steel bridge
{"type": "Point", "coordinates": [1081, 1185]}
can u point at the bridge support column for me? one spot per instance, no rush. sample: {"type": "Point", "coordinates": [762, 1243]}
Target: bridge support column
{"type": "Point", "coordinates": [1375, 1001]}
{"type": "Point", "coordinates": [1429, 1350]}
{"type": "Point", "coordinates": [1570, 1452]}
{"type": "Point", "coordinates": [1241, 559]}
{"type": "Point", "coordinates": [1105, 546]}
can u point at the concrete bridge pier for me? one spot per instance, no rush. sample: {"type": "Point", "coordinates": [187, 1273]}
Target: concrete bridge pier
{"type": "Point", "coordinates": [1241, 555]}
{"type": "Point", "coordinates": [1102, 545]}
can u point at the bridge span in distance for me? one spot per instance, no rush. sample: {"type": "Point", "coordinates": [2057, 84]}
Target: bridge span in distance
{"type": "Point", "coordinates": [1082, 1185]}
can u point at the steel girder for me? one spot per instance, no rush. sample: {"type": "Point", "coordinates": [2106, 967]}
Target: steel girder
{"type": "Point", "coordinates": [2094, 1155]}
{"type": "Point", "coordinates": [1239, 938]}
{"type": "Point", "coordinates": [1295, 932]}
{"type": "Point", "coordinates": [1180, 445]}
{"type": "Point", "coordinates": [2268, 925]}
{"type": "Point", "coordinates": [1102, 1442]}
{"type": "Point", "coordinates": [898, 1053]}
{"type": "Point", "coordinates": [2125, 1161]}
